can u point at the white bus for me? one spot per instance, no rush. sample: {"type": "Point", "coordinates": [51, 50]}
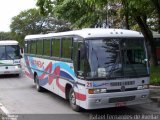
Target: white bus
{"type": "Point", "coordinates": [10, 58]}
{"type": "Point", "coordinates": [92, 68]}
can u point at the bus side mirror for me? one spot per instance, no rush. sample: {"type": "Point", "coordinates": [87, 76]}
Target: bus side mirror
{"type": "Point", "coordinates": [21, 50]}
{"type": "Point", "coordinates": [21, 56]}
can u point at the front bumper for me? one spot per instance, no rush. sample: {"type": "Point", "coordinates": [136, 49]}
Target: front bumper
{"type": "Point", "coordinates": [107, 100]}
{"type": "Point", "coordinates": [4, 70]}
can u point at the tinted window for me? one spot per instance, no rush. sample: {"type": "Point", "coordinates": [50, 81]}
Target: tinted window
{"type": "Point", "coordinates": [2, 53]}
{"type": "Point", "coordinates": [79, 61]}
{"type": "Point", "coordinates": [46, 47]}
{"type": "Point", "coordinates": [33, 47]}
{"type": "Point", "coordinates": [66, 47]}
{"type": "Point", "coordinates": [116, 57]}
{"type": "Point", "coordinates": [39, 47]}
{"type": "Point", "coordinates": [9, 52]}
{"type": "Point", "coordinates": [56, 47]}
{"type": "Point", "coordinates": [29, 46]}
{"type": "Point", "coordinates": [12, 52]}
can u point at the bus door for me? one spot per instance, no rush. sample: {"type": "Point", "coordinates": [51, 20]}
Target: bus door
{"type": "Point", "coordinates": [79, 58]}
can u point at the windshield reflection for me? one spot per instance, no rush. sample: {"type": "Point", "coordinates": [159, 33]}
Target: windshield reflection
{"type": "Point", "coordinates": [111, 58]}
{"type": "Point", "coordinates": [9, 52]}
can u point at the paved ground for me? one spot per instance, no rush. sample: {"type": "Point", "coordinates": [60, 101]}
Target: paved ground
{"type": "Point", "coordinates": [155, 93]}
{"type": "Point", "coordinates": [18, 96]}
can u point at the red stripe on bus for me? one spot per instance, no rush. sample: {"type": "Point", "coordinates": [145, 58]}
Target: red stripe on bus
{"type": "Point", "coordinates": [47, 69]}
{"type": "Point", "coordinates": [28, 74]}
{"type": "Point", "coordinates": [80, 96]}
{"type": "Point", "coordinates": [60, 86]}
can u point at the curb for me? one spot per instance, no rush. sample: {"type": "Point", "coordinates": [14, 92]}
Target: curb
{"type": "Point", "coordinates": [154, 87]}
{"type": "Point", "coordinates": [155, 99]}
{"type": "Point", "coordinates": [155, 93]}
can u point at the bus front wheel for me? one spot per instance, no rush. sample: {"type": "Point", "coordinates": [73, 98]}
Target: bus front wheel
{"type": "Point", "coordinates": [72, 101]}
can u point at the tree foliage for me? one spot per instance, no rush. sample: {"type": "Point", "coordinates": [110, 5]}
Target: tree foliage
{"type": "Point", "coordinates": [80, 13]}
{"type": "Point", "coordinates": [139, 11]}
{"type": "Point", "coordinates": [142, 15]}
{"type": "Point", "coordinates": [5, 36]}
{"type": "Point", "coordinates": [31, 22]}
{"type": "Point", "coordinates": [156, 5]}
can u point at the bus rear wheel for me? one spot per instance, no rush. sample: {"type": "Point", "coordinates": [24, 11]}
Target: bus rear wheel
{"type": "Point", "coordinates": [38, 87]}
{"type": "Point", "coordinates": [72, 101]}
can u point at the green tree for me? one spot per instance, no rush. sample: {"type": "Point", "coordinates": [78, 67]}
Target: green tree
{"type": "Point", "coordinates": [89, 13]}
{"type": "Point", "coordinates": [80, 13]}
{"type": "Point", "coordinates": [5, 36]}
{"type": "Point", "coordinates": [31, 22]}
{"type": "Point", "coordinates": [156, 5]}
{"type": "Point", "coordinates": [139, 11]}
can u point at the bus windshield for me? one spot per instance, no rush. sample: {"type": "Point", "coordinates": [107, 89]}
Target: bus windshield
{"type": "Point", "coordinates": [115, 57]}
{"type": "Point", "coordinates": [9, 52]}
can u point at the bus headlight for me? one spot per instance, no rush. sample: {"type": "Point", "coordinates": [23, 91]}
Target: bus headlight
{"type": "Point", "coordinates": [96, 91]}
{"type": "Point", "coordinates": [17, 66]}
{"type": "Point", "coordinates": [140, 87]}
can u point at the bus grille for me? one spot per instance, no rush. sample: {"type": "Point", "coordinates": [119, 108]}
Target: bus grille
{"type": "Point", "coordinates": [121, 99]}
{"type": "Point", "coordinates": [119, 90]}
{"type": "Point", "coordinates": [122, 83]}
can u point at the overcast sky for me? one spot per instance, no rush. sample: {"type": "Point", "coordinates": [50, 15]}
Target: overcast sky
{"type": "Point", "coordinates": [11, 8]}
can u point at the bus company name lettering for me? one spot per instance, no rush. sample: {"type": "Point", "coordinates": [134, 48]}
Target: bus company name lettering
{"type": "Point", "coordinates": [37, 63]}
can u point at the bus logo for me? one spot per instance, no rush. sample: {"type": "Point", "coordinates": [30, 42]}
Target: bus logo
{"type": "Point", "coordinates": [37, 63]}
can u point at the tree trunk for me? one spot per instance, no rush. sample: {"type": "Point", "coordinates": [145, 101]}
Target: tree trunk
{"type": "Point", "coordinates": [126, 14]}
{"type": "Point", "coordinates": [149, 38]}
{"type": "Point", "coordinates": [127, 20]}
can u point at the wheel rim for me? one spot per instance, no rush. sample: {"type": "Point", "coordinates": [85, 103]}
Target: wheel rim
{"type": "Point", "coordinates": [73, 98]}
{"type": "Point", "coordinates": [37, 85]}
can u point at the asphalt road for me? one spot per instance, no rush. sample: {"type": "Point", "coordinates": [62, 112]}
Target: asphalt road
{"type": "Point", "coordinates": [19, 96]}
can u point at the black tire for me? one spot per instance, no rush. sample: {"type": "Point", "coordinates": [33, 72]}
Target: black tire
{"type": "Point", "coordinates": [72, 101]}
{"type": "Point", "coordinates": [38, 87]}
{"type": "Point", "coordinates": [17, 75]}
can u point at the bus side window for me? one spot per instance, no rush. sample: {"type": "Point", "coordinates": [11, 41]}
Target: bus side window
{"type": "Point", "coordinates": [56, 47]}
{"type": "Point", "coordinates": [33, 47]}
{"type": "Point", "coordinates": [39, 47]}
{"type": "Point", "coordinates": [66, 47]}
{"type": "Point", "coordinates": [29, 47]}
{"type": "Point", "coordinates": [47, 47]}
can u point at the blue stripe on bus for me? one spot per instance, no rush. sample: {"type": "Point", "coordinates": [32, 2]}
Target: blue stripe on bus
{"type": "Point", "coordinates": [65, 75]}
{"type": "Point", "coordinates": [43, 81]}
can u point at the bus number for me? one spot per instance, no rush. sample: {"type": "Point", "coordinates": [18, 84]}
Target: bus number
{"type": "Point", "coordinates": [89, 84]}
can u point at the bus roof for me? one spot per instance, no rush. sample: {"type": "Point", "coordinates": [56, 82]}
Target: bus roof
{"type": "Point", "coordinates": [90, 33]}
{"type": "Point", "coordinates": [8, 42]}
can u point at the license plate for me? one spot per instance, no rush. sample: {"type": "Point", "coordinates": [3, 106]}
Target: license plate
{"type": "Point", "coordinates": [6, 72]}
{"type": "Point", "coordinates": [120, 104]}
